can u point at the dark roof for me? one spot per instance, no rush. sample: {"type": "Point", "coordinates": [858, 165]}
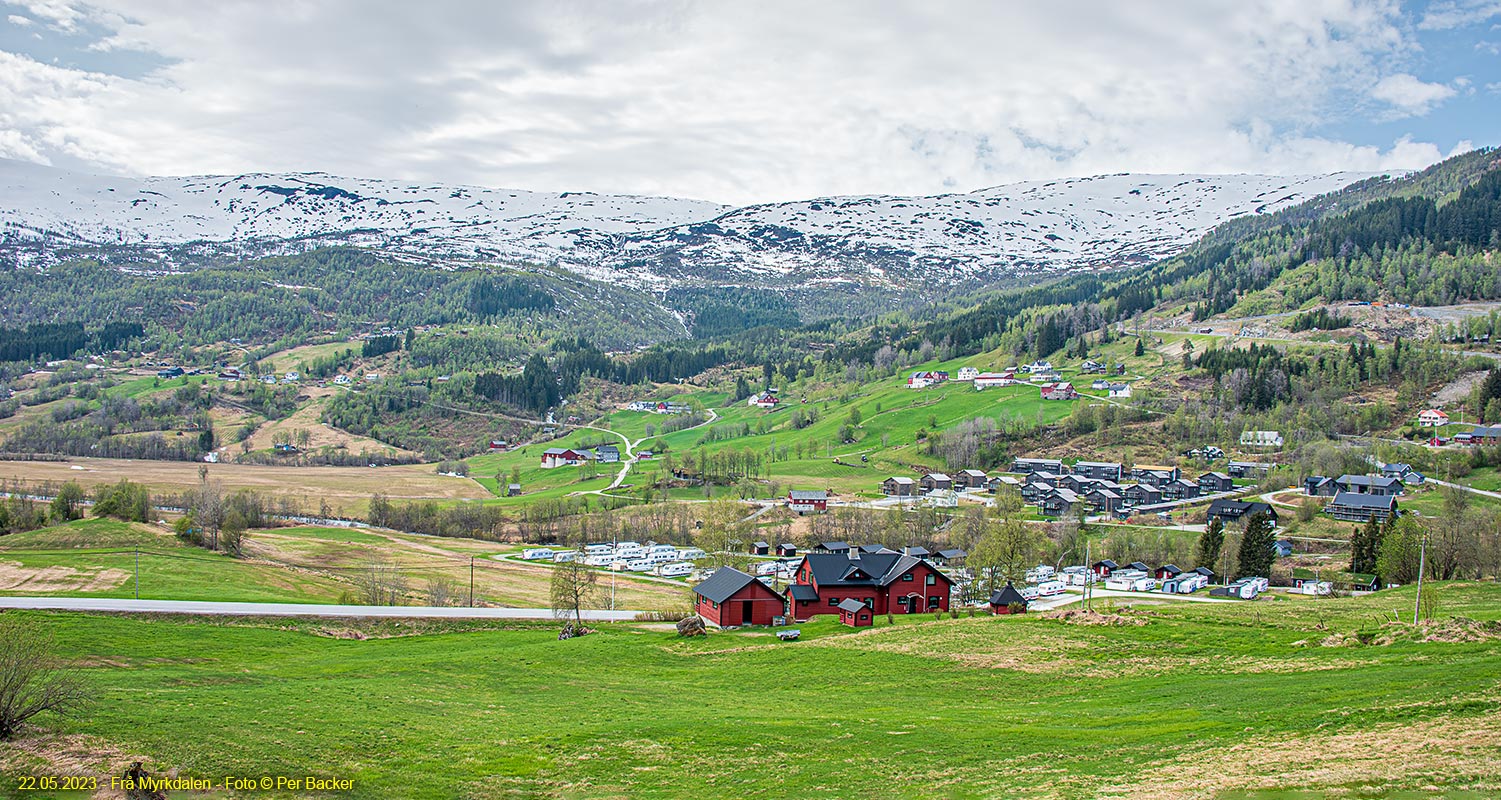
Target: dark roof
{"type": "Point", "coordinates": [851, 605]}
{"type": "Point", "coordinates": [869, 549]}
{"type": "Point", "coordinates": [1367, 480]}
{"type": "Point", "coordinates": [1205, 571]}
{"type": "Point", "coordinates": [918, 550]}
{"type": "Point", "coordinates": [1139, 565]}
{"type": "Point", "coordinates": [832, 546]}
{"type": "Point", "coordinates": [1107, 564]}
{"type": "Point", "coordinates": [870, 569]}
{"type": "Point", "coordinates": [1173, 568]}
{"type": "Point", "coordinates": [954, 553]}
{"type": "Point", "coordinates": [1006, 596]}
{"type": "Point", "coordinates": [724, 583]}
{"type": "Point", "coordinates": [1362, 500]}
{"type": "Point", "coordinates": [1236, 509]}
{"type": "Point", "coordinates": [801, 591]}
{"type": "Point", "coordinates": [766, 545]}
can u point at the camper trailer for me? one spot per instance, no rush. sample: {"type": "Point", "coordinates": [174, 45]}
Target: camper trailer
{"type": "Point", "coordinates": [1051, 588]}
{"type": "Point", "coordinates": [537, 554]}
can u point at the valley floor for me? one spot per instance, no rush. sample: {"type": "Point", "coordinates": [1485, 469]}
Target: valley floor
{"type": "Point", "coordinates": [1273, 698]}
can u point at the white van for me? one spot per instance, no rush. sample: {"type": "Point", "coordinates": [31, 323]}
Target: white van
{"type": "Point", "coordinates": [1051, 588]}
{"type": "Point", "coordinates": [537, 554]}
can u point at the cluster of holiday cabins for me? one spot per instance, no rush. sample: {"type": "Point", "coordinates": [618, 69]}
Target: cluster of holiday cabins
{"type": "Point", "coordinates": [1361, 498]}
{"type": "Point", "coordinates": [1050, 382]}
{"type": "Point", "coordinates": [1098, 486]}
{"type": "Point", "coordinates": [1477, 435]}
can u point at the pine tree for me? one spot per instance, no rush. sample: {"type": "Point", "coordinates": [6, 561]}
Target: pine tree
{"type": "Point", "coordinates": [1210, 543]}
{"type": "Point", "coordinates": [1256, 547]}
{"type": "Point", "coordinates": [1141, 350]}
{"type": "Point", "coordinates": [1365, 546]}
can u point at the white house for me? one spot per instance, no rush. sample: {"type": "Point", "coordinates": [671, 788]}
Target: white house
{"type": "Point", "coordinates": [967, 374]}
{"type": "Point", "coordinates": [1260, 439]}
{"type": "Point", "coordinates": [986, 380]}
{"type": "Point", "coordinates": [763, 400]}
{"type": "Point", "coordinates": [1432, 418]}
{"type": "Point", "coordinates": [1120, 390]}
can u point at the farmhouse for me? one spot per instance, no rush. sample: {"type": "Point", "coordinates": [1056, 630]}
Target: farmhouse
{"type": "Point", "coordinates": [1432, 418]}
{"type": "Point", "coordinates": [1358, 507]}
{"type": "Point", "coordinates": [967, 374]}
{"type": "Point", "coordinates": [607, 454]}
{"type": "Point", "coordinates": [935, 481]}
{"type": "Point", "coordinates": [1030, 465]}
{"type": "Point", "coordinates": [1235, 510]}
{"type": "Point", "coordinates": [950, 557]}
{"type": "Point", "coordinates": [1120, 390]}
{"type": "Point", "coordinates": [807, 502]}
{"type": "Point", "coordinates": [1092, 367]}
{"type": "Point", "coordinates": [1037, 366]}
{"type": "Point", "coordinates": [1248, 469]}
{"type": "Point", "coordinates": [922, 380]}
{"type": "Point", "coordinates": [1482, 434]}
{"type": "Point", "coordinates": [1059, 391]}
{"type": "Point", "coordinates": [1004, 600]}
{"type": "Point", "coordinates": [837, 548]}
{"type": "Point", "coordinates": [897, 486]}
{"type": "Point", "coordinates": [730, 597]}
{"type": "Point", "coordinates": [1212, 482]}
{"type": "Point", "coordinates": [1365, 484]}
{"type": "Point", "coordinates": [561, 457]}
{"type": "Point", "coordinates": [1404, 473]}
{"type": "Point", "coordinates": [884, 582]}
{"type": "Point", "coordinates": [766, 399]}
{"type": "Point", "coordinates": [1100, 385]}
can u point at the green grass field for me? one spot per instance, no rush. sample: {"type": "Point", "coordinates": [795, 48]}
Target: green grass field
{"type": "Point", "coordinates": [1203, 700]}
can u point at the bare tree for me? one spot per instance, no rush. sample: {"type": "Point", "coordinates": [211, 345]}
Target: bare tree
{"type": "Point", "coordinates": [381, 583]}
{"type": "Point", "coordinates": [573, 587]}
{"type": "Point", "coordinates": [442, 590]}
{"type": "Point", "coordinates": [31, 679]}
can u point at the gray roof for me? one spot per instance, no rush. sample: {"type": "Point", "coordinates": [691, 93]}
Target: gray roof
{"type": "Point", "coordinates": [851, 605]}
{"type": "Point", "coordinates": [954, 553]}
{"type": "Point", "coordinates": [900, 479]}
{"type": "Point", "coordinates": [798, 494]}
{"type": "Point", "coordinates": [1237, 509]}
{"type": "Point", "coordinates": [1367, 480]}
{"type": "Point", "coordinates": [1362, 500]}
{"type": "Point", "coordinates": [724, 583]}
{"type": "Point", "coordinates": [1006, 596]}
{"type": "Point", "coordinates": [802, 591]}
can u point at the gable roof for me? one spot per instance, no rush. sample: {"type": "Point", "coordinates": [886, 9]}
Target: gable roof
{"type": "Point", "coordinates": [870, 569]}
{"type": "Point", "coordinates": [799, 494]}
{"type": "Point", "coordinates": [1364, 500]}
{"type": "Point", "coordinates": [1237, 509]}
{"type": "Point", "coordinates": [1006, 595]}
{"type": "Point", "coordinates": [801, 591]}
{"type": "Point", "coordinates": [1367, 480]}
{"type": "Point", "coordinates": [954, 553]}
{"type": "Point", "coordinates": [725, 583]}
{"type": "Point", "coordinates": [851, 605]}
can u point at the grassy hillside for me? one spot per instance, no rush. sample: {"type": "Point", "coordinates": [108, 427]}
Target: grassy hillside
{"type": "Point", "coordinates": [1187, 700]}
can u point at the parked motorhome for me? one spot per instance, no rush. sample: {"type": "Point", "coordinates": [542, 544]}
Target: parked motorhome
{"type": "Point", "coordinates": [1050, 588]}
{"type": "Point", "coordinates": [675, 569]}
{"type": "Point", "coordinates": [691, 554]}
{"type": "Point", "coordinates": [537, 554]}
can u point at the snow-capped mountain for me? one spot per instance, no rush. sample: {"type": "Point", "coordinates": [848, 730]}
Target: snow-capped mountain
{"type": "Point", "coordinates": [1107, 221]}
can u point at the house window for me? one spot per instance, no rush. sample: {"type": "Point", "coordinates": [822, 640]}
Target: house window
{"type": "Point", "coordinates": [870, 603]}
{"type": "Point", "coordinates": [932, 579]}
{"type": "Point", "coordinates": [833, 602]}
{"type": "Point", "coordinates": [935, 601]}
{"type": "Point", "coordinates": [901, 601]}
{"type": "Point", "coordinates": [907, 577]}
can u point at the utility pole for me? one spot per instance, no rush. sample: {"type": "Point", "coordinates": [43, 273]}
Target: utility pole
{"type": "Point", "coordinates": [1422, 559]}
{"type": "Point", "coordinates": [138, 573]}
{"type": "Point", "coordinates": [1088, 577]}
{"type": "Point", "coordinates": [471, 581]}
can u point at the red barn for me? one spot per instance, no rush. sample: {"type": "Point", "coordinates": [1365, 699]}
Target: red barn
{"type": "Point", "coordinates": [886, 583]}
{"type": "Point", "coordinates": [855, 614]}
{"type": "Point", "coordinates": [730, 598]}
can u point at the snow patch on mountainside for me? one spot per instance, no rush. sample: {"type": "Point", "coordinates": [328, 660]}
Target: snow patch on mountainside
{"type": "Point", "coordinates": [1083, 223]}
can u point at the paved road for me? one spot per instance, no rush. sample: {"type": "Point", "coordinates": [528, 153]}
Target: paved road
{"type": "Point", "coordinates": [293, 609]}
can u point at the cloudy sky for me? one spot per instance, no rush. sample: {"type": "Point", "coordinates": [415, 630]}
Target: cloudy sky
{"type": "Point", "coordinates": [742, 102]}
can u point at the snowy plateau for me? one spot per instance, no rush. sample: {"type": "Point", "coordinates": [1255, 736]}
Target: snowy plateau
{"type": "Point", "coordinates": [1022, 229]}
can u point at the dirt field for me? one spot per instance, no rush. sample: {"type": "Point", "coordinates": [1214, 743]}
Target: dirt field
{"type": "Point", "coordinates": [347, 489]}
{"type": "Point", "coordinates": [14, 577]}
{"type": "Point", "coordinates": [308, 418]}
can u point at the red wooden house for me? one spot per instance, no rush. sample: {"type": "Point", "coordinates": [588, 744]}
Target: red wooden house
{"type": "Point", "coordinates": [803, 502]}
{"type": "Point", "coordinates": [886, 583]}
{"type": "Point", "coordinates": [730, 597]}
{"type": "Point", "coordinates": [855, 614]}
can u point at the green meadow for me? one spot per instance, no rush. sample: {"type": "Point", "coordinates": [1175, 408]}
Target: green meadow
{"type": "Point", "coordinates": [1276, 698]}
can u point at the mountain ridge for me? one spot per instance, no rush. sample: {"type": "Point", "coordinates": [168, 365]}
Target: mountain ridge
{"type": "Point", "coordinates": [1027, 229]}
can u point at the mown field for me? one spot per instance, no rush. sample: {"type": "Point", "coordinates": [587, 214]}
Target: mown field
{"type": "Point", "coordinates": [1276, 698]}
{"type": "Point", "coordinates": [106, 558]}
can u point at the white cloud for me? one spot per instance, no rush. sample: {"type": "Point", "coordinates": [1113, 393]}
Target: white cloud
{"type": "Point", "coordinates": [1409, 96]}
{"type": "Point", "coordinates": [1458, 13]}
{"type": "Point", "coordinates": [18, 20]}
{"type": "Point", "coordinates": [728, 102]}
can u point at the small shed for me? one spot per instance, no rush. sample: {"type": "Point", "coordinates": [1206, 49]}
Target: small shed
{"type": "Point", "coordinates": [760, 549]}
{"type": "Point", "coordinates": [786, 550]}
{"type": "Point", "coordinates": [855, 613]}
{"type": "Point", "coordinates": [1167, 571]}
{"type": "Point", "coordinates": [1003, 600]}
{"type": "Point", "coordinates": [1104, 568]}
{"type": "Point", "coordinates": [513, 490]}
